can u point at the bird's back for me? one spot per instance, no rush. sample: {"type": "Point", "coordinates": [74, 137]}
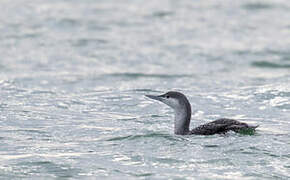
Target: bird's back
{"type": "Point", "coordinates": [221, 126]}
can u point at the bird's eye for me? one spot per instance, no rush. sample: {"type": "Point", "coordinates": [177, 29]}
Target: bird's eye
{"type": "Point", "coordinates": [167, 96]}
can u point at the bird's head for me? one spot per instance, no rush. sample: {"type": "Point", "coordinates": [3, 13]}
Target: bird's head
{"type": "Point", "coordinates": [173, 99]}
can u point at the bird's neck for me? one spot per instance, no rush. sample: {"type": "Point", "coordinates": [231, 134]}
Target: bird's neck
{"type": "Point", "coordinates": [182, 120]}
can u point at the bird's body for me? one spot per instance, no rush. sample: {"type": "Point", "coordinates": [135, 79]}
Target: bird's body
{"type": "Point", "coordinates": [182, 109]}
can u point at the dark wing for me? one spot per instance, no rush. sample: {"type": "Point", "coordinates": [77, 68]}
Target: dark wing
{"type": "Point", "coordinates": [209, 129]}
{"type": "Point", "coordinates": [221, 126]}
{"type": "Point", "coordinates": [227, 121]}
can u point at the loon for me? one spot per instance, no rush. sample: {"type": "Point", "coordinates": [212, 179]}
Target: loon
{"type": "Point", "coordinates": [182, 108]}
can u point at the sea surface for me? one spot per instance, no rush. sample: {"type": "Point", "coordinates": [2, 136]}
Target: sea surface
{"type": "Point", "coordinates": [73, 75]}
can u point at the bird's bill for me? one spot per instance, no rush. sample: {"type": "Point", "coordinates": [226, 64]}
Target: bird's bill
{"type": "Point", "coordinates": [158, 98]}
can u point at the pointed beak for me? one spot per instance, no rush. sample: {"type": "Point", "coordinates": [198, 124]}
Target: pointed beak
{"type": "Point", "coordinates": [158, 98]}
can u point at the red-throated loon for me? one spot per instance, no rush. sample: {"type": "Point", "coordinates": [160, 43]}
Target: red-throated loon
{"type": "Point", "coordinates": [182, 109]}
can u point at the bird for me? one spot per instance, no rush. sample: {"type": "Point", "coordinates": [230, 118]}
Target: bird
{"type": "Point", "coordinates": [182, 110]}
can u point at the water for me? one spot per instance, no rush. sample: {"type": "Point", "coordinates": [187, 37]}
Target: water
{"type": "Point", "coordinates": [73, 75]}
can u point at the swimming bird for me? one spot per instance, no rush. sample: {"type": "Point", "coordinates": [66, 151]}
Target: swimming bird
{"type": "Point", "coordinates": [182, 109]}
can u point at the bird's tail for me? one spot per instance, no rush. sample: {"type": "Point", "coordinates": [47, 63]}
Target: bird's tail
{"type": "Point", "coordinates": [250, 130]}
{"type": "Point", "coordinates": [253, 127]}
{"type": "Point", "coordinates": [243, 129]}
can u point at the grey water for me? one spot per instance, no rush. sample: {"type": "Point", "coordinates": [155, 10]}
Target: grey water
{"type": "Point", "coordinates": [73, 75]}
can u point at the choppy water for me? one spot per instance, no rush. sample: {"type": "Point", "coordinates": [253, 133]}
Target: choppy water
{"type": "Point", "coordinates": [73, 75]}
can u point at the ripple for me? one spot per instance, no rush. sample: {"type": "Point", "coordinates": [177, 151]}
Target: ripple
{"type": "Point", "coordinates": [42, 92]}
{"type": "Point", "coordinates": [135, 174]}
{"type": "Point", "coordinates": [143, 174]}
{"type": "Point", "coordinates": [143, 136]}
{"type": "Point", "coordinates": [265, 64]}
{"type": "Point", "coordinates": [47, 167]}
{"type": "Point", "coordinates": [140, 75]}
{"type": "Point", "coordinates": [86, 42]}
{"type": "Point", "coordinates": [68, 22]}
{"type": "Point", "coordinates": [279, 102]}
{"type": "Point", "coordinates": [257, 6]}
{"type": "Point", "coordinates": [143, 90]}
{"type": "Point", "coordinates": [162, 14]}
{"type": "Point", "coordinates": [168, 160]}
{"type": "Point", "coordinates": [211, 146]}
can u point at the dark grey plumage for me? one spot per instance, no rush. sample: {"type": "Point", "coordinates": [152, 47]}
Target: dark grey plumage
{"type": "Point", "coordinates": [221, 126]}
{"type": "Point", "coordinates": [182, 109]}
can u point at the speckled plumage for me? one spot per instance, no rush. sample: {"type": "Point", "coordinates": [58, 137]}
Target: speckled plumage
{"type": "Point", "coordinates": [221, 126]}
